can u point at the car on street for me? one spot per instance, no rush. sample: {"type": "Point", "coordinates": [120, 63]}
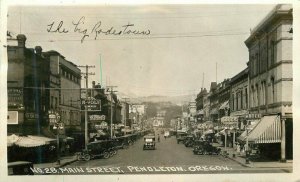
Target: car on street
{"type": "Point", "coordinates": [149, 142]}
{"type": "Point", "coordinates": [181, 136]}
{"type": "Point", "coordinates": [20, 168]}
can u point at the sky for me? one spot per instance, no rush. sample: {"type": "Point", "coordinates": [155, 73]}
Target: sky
{"type": "Point", "coordinates": [184, 43]}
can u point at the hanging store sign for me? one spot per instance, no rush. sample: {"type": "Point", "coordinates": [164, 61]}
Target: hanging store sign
{"type": "Point", "coordinates": [92, 104]}
{"type": "Point", "coordinates": [229, 120]}
{"type": "Point", "coordinates": [53, 117]}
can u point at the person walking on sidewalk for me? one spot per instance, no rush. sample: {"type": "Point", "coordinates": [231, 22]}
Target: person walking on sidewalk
{"type": "Point", "coordinates": [158, 138]}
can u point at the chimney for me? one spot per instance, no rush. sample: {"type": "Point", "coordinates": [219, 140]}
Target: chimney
{"type": "Point", "coordinates": [93, 86]}
{"type": "Point", "coordinates": [21, 40]}
{"type": "Point", "coordinates": [38, 50]}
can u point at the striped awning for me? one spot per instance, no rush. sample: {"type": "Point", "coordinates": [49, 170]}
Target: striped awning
{"type": "Point", "coordinates": [28, 141]}
{"type": "Point", "coordinates": [268, 130]}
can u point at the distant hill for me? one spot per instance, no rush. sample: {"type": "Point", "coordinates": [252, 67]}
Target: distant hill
{"type": "Point", "coordinates": [178, 100]}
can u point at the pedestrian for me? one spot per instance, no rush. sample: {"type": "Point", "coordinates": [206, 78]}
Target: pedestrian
{"type": "Point", "coordinates": [158, 138]}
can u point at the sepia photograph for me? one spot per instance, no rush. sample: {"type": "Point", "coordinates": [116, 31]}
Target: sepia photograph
{"type": "Point", "coordinates": [149, 89]}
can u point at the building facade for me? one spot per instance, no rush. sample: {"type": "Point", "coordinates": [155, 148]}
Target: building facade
{"type": "Point", "coordinates": [239, 95]}
{"type": "Point", "coordinates": [67, 97]}
{"type": "Point", "coordinates": [27, 82]}
{"type": "Point", "coordinates": [271, 74]}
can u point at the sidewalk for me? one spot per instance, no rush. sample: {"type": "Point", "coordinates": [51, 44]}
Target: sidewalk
{"type": "Point", "coordinates": [66, 160]}
{"type": "Point", "coordinates": [257, 164]}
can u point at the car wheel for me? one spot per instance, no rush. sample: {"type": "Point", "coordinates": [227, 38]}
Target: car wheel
{"type": "Point", "coordinates": [79, 157]}
{"type": "Point", "coordinates": [115, 152]}
{"type": "Point", "coordinates": [124, 146]}
{"type": "Point", "coordinates": [106, 155]}
{"type": "Point", "coordinates": [87, 157]}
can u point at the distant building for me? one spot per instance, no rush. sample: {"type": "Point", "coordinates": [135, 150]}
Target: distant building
{"type": "Point", "coordinates": [214, 102]}
{"type": "Point", "coordinates": [137, 108]}
{"type": "Point", "coordinates": [239, 96]}
{"type": "Point", "coordinates": [200, 105]}
{"type": "Point", "coordinates": [69, 77]}
{"type": "Point", "coordinates": [125, 113]}
{"type": "Point", "coordinates": [223, 98]}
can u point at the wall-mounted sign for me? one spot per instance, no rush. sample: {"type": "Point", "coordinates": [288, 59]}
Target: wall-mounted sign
{"type": "Point", "coordinates": [97, 117]}
{"type": "Point", "coordinates": [15, 97]}
{"type": "Point", "coordinates": [31, 115]}
{"type": "Point", "coordinates": [12, 117]}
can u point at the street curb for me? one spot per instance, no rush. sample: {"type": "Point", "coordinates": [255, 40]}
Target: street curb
{"type": "Point", "coordinates": [67, 163]}
{"type": "Point", "coordinates": [245, 165]}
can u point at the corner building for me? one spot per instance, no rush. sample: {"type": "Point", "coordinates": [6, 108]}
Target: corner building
{"type": "Point", "coordinates": [271, 82]}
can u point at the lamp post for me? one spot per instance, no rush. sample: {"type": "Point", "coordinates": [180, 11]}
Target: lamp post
{"type": "Point", "coordinates": [58, 125]}
{"type": "Point", "coordinates": [225, 139]}
{"type": "Point", "coordinates": [247, 145]}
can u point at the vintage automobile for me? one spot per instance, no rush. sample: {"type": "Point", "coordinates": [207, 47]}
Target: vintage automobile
{"type": "Point", "coordinates": [149, 142]}
{"type": "Point", "coordinates": [189, 141]}
{"type": "Point", "coordinates": [181, 136]}
{"type": "Point", "coordinates": [205, 148]}
{"type": "Point", "coordinates": [20, 168]}
{"type": "Point", "coordinates": [94, 150]}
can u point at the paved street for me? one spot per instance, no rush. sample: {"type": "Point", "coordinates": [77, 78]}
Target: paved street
{"type": "Point", "coordinates": [169, 157]}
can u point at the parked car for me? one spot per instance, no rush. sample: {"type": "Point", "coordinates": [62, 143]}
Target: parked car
{"type": "Point", "coordinates": [181, 136]}
{"type": "Point", "coordinates": [94, 150]}
{"type": "Point", "coordinates": [149, 142]}
{"type": "Point", "coordinates": [205, 148]}
{"type": "Point", "coordinates": [20, 168]}
{"type": "Point", "coordinates": [189, 141]}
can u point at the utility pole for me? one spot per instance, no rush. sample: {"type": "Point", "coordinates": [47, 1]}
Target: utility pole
{"type": "Point", "coordinates": [86, 76]}
{"type": "Point", "coordinates": [111, 89]}
{"type": "Point", "coordinates": [217, 72]}
{"type": "Point", "coordinates": [125, 101]}
{"type": "Point", "coordinates": [202, 86]}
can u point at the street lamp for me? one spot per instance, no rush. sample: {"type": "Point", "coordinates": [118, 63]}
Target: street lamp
{"type": "Point", "coordinates": [225, 130]}
{"type": "Point", "coordinates": [247, 144]}
{"type": "Point", "coordinates": [58, 125]}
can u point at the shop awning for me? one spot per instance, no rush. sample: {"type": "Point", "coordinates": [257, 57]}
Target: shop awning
{"type": "Point", "coordinates": [12, 139]}
{"type": "Point", "coordinates": [268, 130]}
{"type": "Point", "coordinates": [29, 141]}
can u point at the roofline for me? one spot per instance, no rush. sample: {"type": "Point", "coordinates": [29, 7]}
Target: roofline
{"type": "Point", "coordinates": [276, 13]}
